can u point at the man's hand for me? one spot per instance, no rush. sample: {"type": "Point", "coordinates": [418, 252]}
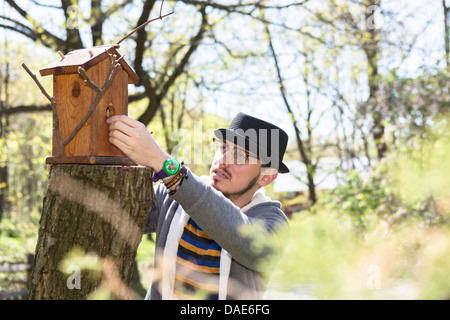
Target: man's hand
{"type": "Point", "coordinates": [133, 139]}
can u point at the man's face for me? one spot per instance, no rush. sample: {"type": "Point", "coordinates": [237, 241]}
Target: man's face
{"type": "Point", "coordinates": [234, 171]}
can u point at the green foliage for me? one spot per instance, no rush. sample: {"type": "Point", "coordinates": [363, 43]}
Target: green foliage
{"type": "Point", "coordinates": [24, 149]}
{"type": "Point", "coordinates": [382, 236]}
{"type": "Point", "coordinates": [410, 184]}
{"type": "Point", "coordinates": [327, 259]}
{"type": "Point", "coordinates": [424, 171]}
{"type": "Point", "coordinates": [14, 249]}
{"type": "Point", "coordinates": [408, 104]}
{"type": "Point", "coordinates": [314, 257]}
{"type": "Point", "coordinates": [376, 194]}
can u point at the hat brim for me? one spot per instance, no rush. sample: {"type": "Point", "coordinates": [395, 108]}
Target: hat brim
{"type": "Point", "coordinates": [244, 142]}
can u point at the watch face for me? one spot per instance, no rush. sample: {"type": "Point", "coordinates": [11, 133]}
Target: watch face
{"type": "Point", "coordinates": [172, 166]}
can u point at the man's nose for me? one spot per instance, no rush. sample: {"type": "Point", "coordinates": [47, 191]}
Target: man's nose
{"type": "Point", "coordinates": [226, 157]}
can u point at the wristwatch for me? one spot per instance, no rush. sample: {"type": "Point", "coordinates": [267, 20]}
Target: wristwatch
{"type": "Point", "coordinates": [171, 166]}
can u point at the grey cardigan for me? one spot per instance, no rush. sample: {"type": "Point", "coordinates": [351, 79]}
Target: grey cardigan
{"type": "Point", "coordinates": [255, 240]}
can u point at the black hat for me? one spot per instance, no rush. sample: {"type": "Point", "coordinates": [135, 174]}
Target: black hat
{"type": "Point", "coordinates": [259, 137]}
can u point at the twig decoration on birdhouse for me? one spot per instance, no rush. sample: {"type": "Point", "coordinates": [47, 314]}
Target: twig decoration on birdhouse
{"type": "Point", "coordinates": [98, 93]}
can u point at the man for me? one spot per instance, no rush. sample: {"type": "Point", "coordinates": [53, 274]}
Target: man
{"type": "Point", "coordinates": [217, 237]}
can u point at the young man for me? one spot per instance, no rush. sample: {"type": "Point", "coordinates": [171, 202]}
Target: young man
{"type": "Point", "coordinates": [217, 237]}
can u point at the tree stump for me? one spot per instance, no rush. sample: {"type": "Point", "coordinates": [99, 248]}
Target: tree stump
{"type": "Point", "coordinates": [101, 212]}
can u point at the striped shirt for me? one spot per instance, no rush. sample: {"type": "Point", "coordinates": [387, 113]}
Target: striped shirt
{"type": "Point", "coordinates": [198, 265]}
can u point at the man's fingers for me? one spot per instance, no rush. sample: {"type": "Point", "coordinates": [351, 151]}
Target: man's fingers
{"type": "Point", "coordinates": [122, 127]}
{"type": "Point", "coordinates": [133, 139]}
{"type": "Point", "coordinates": [116, 136]}
{"type": "Point", "coordinates": [124, 119]}
{"type": "Point", "coordinates": [119, 144]}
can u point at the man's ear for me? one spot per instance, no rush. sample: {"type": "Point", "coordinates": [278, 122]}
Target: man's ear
{"type": "Point", "coordinates": [267, 176]}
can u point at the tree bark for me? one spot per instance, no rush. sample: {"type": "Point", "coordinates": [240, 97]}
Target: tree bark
{"type": "Point", "coordinates": [446, 32]}
{"type": "Point", "coordinates": [99, 210]}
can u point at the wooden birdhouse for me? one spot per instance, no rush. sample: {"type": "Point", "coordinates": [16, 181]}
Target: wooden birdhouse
{"type": "Point", "coordinates": [89, 85]}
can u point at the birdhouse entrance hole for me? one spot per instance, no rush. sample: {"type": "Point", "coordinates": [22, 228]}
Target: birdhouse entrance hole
{"type": "Point", "coordinates": [110, 111]}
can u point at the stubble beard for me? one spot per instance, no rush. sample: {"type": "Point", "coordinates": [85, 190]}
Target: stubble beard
{"type": "Point", "coordinates": [236, 195]}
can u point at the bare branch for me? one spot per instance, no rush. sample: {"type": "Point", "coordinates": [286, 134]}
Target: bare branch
{"type": "Point", "coordinates": [45, 5]}
{"type": "Point", "coordinates": [156, 97]}
{"type": "Point", "coordinates": [87, 80]}
{"type": "Point", "coordinates": [310, 166]}
{"type": "Point", "coordinates": [195, 42]}
{"type": "Point", "coordinates": [53, 105]}
{"type": "Point", "coordinates": [234, 8]}
{"type": "Point", "coordinates": [33, 76]}
{"type": "Point", "coordinates": [37, 31]}
{"type": "Point", "coordinates": [145, 23]}
{"type": "Point", "coordinates": [25, 109]}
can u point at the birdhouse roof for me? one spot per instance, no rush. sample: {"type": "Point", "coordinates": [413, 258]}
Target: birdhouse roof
{"type": "Point", "coordinates": [87, 58]}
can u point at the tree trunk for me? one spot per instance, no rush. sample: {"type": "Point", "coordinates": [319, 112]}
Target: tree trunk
{"type": "Point", "coordinates": [446, 33]}
{"type": "Point", "coordinates": [372, 49]}
{"type": "Point", "coordinates": [101, 212]}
